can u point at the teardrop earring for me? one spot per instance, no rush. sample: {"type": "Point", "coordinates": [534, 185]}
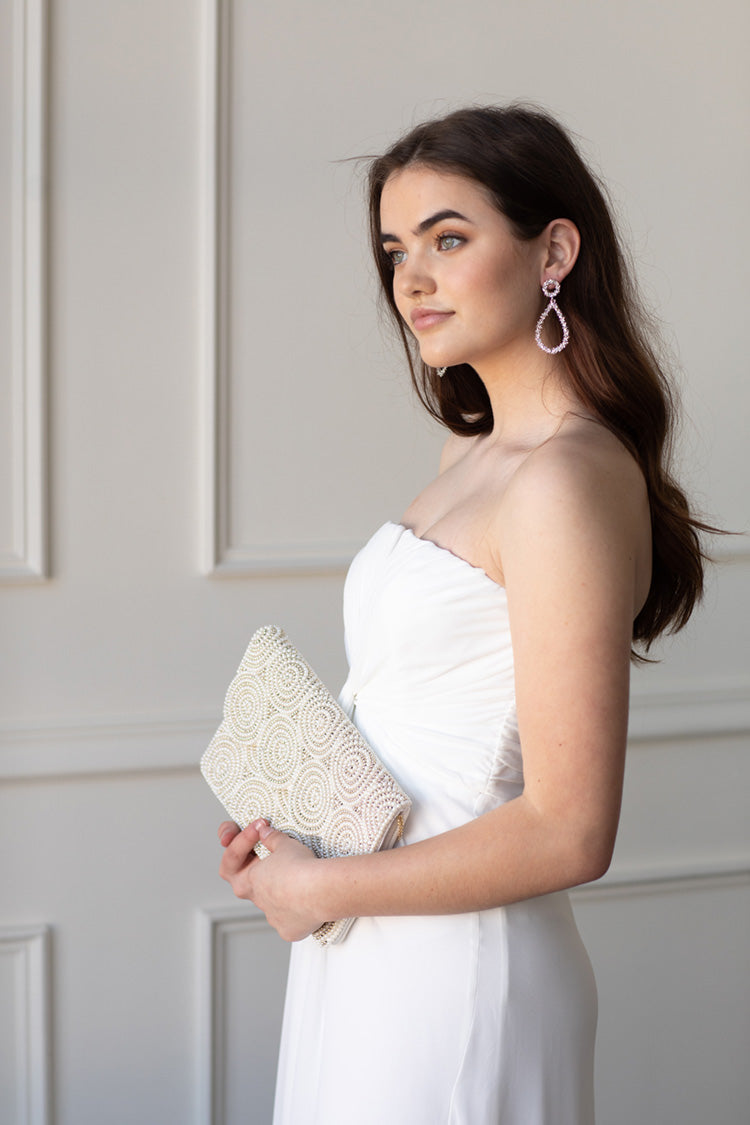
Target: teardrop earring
{"type": "Point", "coordinates": [441, 371]}
{"type": "Point", "coordinates": [551, 288]}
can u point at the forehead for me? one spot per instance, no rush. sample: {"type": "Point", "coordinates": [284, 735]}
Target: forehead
{"type": "Point", "coordinates": [415, 192]}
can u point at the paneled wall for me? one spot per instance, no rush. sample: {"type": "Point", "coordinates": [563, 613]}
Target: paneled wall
{"type": "Point", "coordinates": [201, 420]}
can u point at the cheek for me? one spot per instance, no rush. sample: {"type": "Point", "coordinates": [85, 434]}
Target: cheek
{"type": "Point", "coordinates": [488, 274]}
{"type": "Point", "coordinates": [514, 288]}
{"type": "Point", "coordinates": [494, 291]}
{"type": "Point", "coordinates": [401, 303]}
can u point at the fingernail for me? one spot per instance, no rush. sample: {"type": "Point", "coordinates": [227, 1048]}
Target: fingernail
{"type": "Point", "coordinates": [259, 825]}
{"type": "Point", "coordinates": [264, 829]}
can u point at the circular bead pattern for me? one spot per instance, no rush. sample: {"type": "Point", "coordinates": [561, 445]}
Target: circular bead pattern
{"type": "Point", "coordinates": [345, 835]}
{"type": "Point", "coordinates": [375, 804]}
{"type": "Point", "coordinates": [309, 800]}
{"type": "Point", "coordinates": [276, 754]}
{"type": "Point", "coordinates": [244, 705]}
{"type": "Point", "coordinates": [227, 764]}
{"type": "Point", "coordinates": [287, 752]}
{"type": "Point", "coordinates": [285, 680]}
{"type": "Point", "coordinates": [319, 722]}
{"type": "Point", "coordinates": [351, 771]}
{"type": "Point", "coordinates": [249, 799]}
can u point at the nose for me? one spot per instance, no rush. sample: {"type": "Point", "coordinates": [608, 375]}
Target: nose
{"type": "Point", "coordinates": [414, 278]}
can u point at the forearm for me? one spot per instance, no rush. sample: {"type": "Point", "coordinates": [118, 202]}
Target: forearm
{"type": "Point", "coordinates": [509, 854]}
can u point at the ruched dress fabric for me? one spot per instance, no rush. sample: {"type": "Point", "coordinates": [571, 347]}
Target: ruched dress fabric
{"type": "Point", "coordinates": [485, 1018]}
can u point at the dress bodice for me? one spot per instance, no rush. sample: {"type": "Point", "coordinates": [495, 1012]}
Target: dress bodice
{"type": "Point", "coordinates": [431, 681]}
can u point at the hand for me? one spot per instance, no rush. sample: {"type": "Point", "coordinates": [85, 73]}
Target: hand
{"type": "Point", "coordinates": [279, 884]}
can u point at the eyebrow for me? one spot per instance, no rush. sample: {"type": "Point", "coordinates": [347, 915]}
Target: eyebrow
{"type": "Point", "coordinates": [425, 225]}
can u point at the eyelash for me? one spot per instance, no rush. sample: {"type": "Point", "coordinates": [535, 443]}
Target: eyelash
{"type": "Point", "coordinates": [440, 238]}
{"type": "Point", "coordinates": [454, 237]}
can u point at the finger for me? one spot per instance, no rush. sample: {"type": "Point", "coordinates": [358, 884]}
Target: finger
{"type": "Point", "coordinates": [238, 852]}
{"type": "Point", "coordinates": [227, 832]}
{"type": "Point", "coordinates": [267, 835]}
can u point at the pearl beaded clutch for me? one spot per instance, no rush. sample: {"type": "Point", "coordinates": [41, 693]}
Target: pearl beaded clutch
{"type": "Point", "coordinates": [287, 752]}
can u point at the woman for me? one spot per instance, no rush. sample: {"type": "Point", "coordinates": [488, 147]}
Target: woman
{"type": "Point", "coordinates": [489, 636]}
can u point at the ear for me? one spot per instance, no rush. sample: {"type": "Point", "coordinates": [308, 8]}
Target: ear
{"type": "Point", "coordinates": [561, 241]}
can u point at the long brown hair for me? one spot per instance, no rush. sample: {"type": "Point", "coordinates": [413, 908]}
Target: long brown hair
{"type": "Point", "coordinates": [534, 174]}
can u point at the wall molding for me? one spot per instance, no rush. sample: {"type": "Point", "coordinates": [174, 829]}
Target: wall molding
{"type": "Point", "coordinates": [730, 550]}
{"type": "Point", "coordinates": [690, 710]}
{"type": "Point", "coordinates": [663, 878]}
{"type": "Point", "coordinates": [213, 927]}
{"type": "Point", "coordinates": [213, 277]}
{"type": "Point", "coordinates": [101, 745]}
{"type": "Point", "coordinates": [216, 926]}
{"type": "Point", "coordinates": [270, 559]}
{"type": "Point", "coordinates": [220, 556]}
{"type": "Point", "coordinates": [28, 950]}
{"type": "Point", "coordinates": [25, 558]}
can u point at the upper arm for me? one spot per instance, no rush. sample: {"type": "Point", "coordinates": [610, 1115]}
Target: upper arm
{"type": "Point", "coordinates": [570, 538]}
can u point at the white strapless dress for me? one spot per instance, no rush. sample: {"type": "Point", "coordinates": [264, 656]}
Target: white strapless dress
{"type": "Point", "coordinates": [471, 1019]}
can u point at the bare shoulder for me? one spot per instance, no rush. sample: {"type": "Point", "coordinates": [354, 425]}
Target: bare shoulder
{"type": "Point", "coordinates": [455, 449]}
{"type": "Point", "coordinates": [580, 502]}
{"type": "Point", "coordinates": [583, 465]}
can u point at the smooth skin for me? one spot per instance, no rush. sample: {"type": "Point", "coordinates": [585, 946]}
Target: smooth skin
{"type": "Point", "coordinates": [551, 506]}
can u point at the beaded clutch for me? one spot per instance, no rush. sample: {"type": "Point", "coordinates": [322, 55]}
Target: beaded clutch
{"type": "Point", "coordinates": [287, 752]}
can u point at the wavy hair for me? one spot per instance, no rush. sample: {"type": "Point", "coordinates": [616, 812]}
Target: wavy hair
{"type": "Point", "coordinates": [534, 174]}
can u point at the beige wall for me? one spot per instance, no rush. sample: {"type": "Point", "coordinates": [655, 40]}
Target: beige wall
{"type": "Point", "coordinates": [217, 422]}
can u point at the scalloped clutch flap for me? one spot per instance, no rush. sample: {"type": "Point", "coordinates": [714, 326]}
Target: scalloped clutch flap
{"type": "Point", "coordinates": [286, 752]}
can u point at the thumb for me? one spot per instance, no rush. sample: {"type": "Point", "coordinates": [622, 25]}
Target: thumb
{"type": "Point", "coordinates": [266, 834]}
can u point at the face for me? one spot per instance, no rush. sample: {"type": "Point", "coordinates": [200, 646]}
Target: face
{"type": "Point", "coordinates": [466, 287]}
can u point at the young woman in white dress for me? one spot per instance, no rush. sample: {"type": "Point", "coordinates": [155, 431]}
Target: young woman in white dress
{"type": "Point", "coordinates": [490, 635]}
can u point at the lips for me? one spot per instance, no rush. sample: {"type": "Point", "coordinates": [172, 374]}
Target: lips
{"type": "Point", "coordinates": [422, 318]}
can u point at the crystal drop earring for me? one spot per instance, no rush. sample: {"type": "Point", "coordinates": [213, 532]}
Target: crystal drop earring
{"type": "Point", "coordinates": [551, 288]}
{"type": "Point", "coordinates": [441, 371]}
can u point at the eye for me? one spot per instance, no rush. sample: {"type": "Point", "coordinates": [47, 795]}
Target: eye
{"type": "Point", "coordinates": [396, 256]}
{"type": "Point", "coordinates": [449, 241]}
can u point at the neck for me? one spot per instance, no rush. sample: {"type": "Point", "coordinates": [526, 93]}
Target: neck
{"type": "Point", "coordinates": [529, 396]}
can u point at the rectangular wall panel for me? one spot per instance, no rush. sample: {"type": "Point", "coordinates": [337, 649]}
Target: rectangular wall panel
{"type": "Point", "coordinates": [243, 967]}
{"type": "Point", "coordinates": [672, 960]}
{"type": "Point", "coordinates": [310, 435]}
{"type": "Point", "coordinates": [23, 454]}
{"type": "Point", "coordinates": [24, 1026]}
